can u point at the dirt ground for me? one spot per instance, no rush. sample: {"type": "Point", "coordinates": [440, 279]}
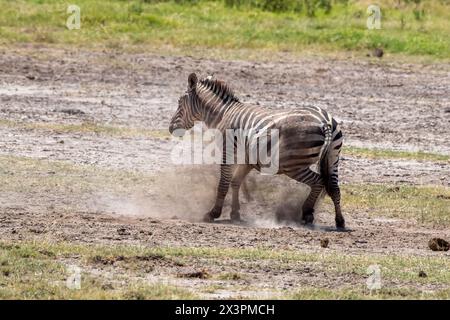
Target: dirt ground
{"type": "Point", "coordinates": [46, 93]}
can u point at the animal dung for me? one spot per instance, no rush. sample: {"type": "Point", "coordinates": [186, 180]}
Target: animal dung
{"type": "Point", "coordinates": [378, 52]}
{"type": "Point", "coordinates": [123, 232]}
{"type": "Point", "coordinates": [438, 244]}
{"type": "Point", "coordinates": [202, 274]}
{"type": "Point", "coordinates": [324, 242]}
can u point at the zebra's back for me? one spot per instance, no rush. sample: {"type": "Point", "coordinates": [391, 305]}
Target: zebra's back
{"type": "Point", "coordinates": [302, 135]}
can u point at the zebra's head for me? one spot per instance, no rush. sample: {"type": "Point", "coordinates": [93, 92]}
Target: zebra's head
{"type": "Point", "coordinates": [186, 114]}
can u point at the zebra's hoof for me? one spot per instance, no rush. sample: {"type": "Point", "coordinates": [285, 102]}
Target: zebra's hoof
{"type": "Point", "coordinates": [207, 218]}
{"type": "Point", "coordinates": [308, 215]}
{"type": "Point", "coordinates": [235, 216]}
{"type": "Point", "coordinates": [309, 219]}
{"type": "Point", "coordinates": [213, 214]}
{"type": "Point", "coordinates": [340, 224]}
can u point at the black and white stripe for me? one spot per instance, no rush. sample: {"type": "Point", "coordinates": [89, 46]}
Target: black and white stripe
{"type": "Point", "coordinates": [308, 136]}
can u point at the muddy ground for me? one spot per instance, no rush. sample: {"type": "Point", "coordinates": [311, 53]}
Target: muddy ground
{"type": "Point", "coordinates": [46, 93]}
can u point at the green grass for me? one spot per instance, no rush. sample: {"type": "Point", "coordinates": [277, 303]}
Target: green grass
{"type": "Point", "coordinates": [38, 270]}
{"type": "Point", "coordinates": [426, 204]}
{"type": "Point", "coordinates": [362, 293]}
{"type": "Point", "coordinates": [211, 28]}
{"type": "Point", "coordinates": [394, 154]}
{"type": "Point", "coordinates": [28, 175]}
{"type": "Point", "coordinates": [88, 127]}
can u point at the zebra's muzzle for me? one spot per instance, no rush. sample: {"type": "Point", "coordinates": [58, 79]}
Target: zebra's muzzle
{"type": "Point", "coordinates": [176, 130]}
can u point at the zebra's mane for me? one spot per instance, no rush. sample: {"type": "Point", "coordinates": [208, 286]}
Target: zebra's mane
{"type": "Point", "coordinates": [219, 88]}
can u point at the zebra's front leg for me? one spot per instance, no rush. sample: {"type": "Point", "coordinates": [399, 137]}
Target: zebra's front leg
{"type": "Point", "coordinates": [222, 189]}
{"type": "Point", "coordinates": [246, 191]}
{"type": "Point", "coordinates": [239, 174]}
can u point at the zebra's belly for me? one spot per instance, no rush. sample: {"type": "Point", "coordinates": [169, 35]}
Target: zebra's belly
{"type": "Point", "coordinates": [299, 154]}
{"type": "Point", "coordinates": [288, 165]}
{"type": "Point", "coordinates": [292, 165]}
{"type": "Point", "coordinates": [290, 153]}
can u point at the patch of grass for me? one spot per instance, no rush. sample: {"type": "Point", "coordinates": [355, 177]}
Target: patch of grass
{"type": "Point", "coordinates": [157, 292]}
{"type": "Point", "coordinates": [394, 154]}
{"type": "Point", "coordinates": [213, 288]}
{"type": "Point", "coordinates": [398, 267]}
{"type": "Point", "coordinates": [33, 274]}
{"type": "Point", "coordinates": [234, 276]}
{"type": "Point", "coordinates": [362, 293]}
{"type": "Point", "coordinates": [211, 26]}
{"type": "Point", "coordinates": [426, 204]}
{"type": "Point", "coordinates": [88, 127]}
{"type": "Point", "coordinates": [27, 273]}
{"type": "Point", "coordinates": [30, 175]}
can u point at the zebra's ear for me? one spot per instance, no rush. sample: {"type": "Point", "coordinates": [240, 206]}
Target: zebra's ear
{"type": "Point", "coordinates": [192, 81]}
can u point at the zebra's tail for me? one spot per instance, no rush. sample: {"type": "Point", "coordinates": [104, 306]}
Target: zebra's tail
{"type": "Point", "coordinates": [324, 157]}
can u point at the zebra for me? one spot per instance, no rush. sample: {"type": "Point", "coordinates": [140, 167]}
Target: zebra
{"type": "Point", "coordinates": [308, 136]}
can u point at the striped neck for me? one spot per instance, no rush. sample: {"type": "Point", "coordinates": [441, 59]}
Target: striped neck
{"type": "Point", "coordinates": [215, 98]}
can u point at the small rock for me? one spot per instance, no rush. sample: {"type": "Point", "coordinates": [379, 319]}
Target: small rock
{"type": "Point", "coordinates": [202, 274]}
{"type": "Point", "coordinates": [324, 242]}
{"type": "Point", "coordinates": [378, 52]}
{"type": "Point", "coordinates": [35, 230]}
{"type": "Point", "coordinates": [438, 244]}
{"type": "Point", "coordinates": [107, 286]}
{"type": "Point", "coordinates": [123, 232]}
{"type": "Point", "coordinates": [73, 112]}
{"type": "Point", "coordinates": [394, 189]}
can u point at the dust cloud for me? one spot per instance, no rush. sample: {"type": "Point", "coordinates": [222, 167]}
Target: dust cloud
{"type": "Point", "coordinates": [188, 192]}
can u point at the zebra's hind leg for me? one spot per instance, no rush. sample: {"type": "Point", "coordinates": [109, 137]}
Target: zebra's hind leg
{"type": "Point", "coordinates": [335, 194]}
{"type": "Point", "coordinates": [314, 181]}
{"type": "Point", "coordinates": [239, 175]}
{"type": "Point", "coordinates": [222, 189]}
{"type": "Point", "coordinates": [310, 203]}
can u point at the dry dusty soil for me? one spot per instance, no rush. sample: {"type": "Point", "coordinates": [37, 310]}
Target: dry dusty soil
{"type": "Point", "coordinates": [85, 159]}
